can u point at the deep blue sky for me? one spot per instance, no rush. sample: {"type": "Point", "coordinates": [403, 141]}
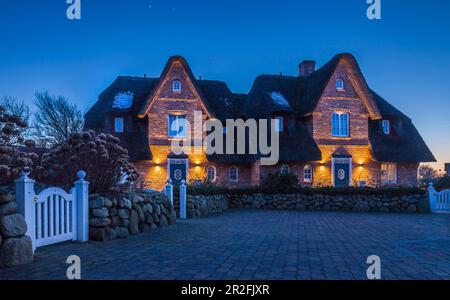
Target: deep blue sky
{"type": "Point", "coordinates": [405, 56]}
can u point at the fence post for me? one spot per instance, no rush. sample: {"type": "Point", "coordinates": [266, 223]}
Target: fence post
{"type": "Point", "coordinates": [82, 207]}
{"type": "Point", "coordinates": [183, 200]}
{"type": "Point", "coordinates": [169, 190]}
{"type": "Point", "coordinates": [25, 204]}
{"type": "Point", "coordinates": [432, 197]}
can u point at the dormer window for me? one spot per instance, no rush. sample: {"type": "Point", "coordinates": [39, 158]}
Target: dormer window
{"type": "Point", "coordinates": [118, 125]}
{"type": "Point", "coordinates": [279, 125]}
{"type": "Point", "coordinates": [386, 126]}
{"type": "Point", "coordinates": [176, 86]}
{"type": "Point", "coordinates": [340, 85]}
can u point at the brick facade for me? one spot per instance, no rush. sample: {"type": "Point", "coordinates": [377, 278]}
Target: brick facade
{"type": "Point", "coordinates": [364, 167]}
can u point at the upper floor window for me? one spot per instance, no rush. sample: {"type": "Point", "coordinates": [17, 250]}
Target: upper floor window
{"type": "Point", "coordinates": [386, 125]}
{"type": "Point", "coordinates": [279, 125]}
{"type": "Point", "coordinates": [340, 85]}
{"type": "Point", "coordinates": [389, 173]}
{"type": "Point", "coordinates": [234, 174]}
{"type": "Point", "coordinates": [177, 126]}
{"type": "Point", "coordinates": [340, 124]}
{"type": "Point", "coordinates": [118, 125]}
{"type": "Point", "coordinates": [285, 169]}
{"type": "Point", "coordinates": [307, 174]}
{"type": "Point", "coordinates": [211, 174]}
{"type": "Point", "coordinates": [176, 86]}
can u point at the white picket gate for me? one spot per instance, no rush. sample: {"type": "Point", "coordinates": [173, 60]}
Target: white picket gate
{"type": "Point", "coordinates": [439, 201]}
{"type": "Point", "coordinates": [54, 216]}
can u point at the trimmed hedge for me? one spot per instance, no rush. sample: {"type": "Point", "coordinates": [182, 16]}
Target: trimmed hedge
{"type": "Point", "coordinates": [206, 190]}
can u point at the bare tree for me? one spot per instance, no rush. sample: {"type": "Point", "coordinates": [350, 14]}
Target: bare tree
{"type": "Point", "coordinates": [55, 119]}
{"type": "Point", "coordinates": [14, 117]}
{"type": "Point", "coordinates": [428, 172]}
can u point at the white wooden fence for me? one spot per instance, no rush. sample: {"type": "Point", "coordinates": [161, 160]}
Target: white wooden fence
{"type": "Point", "coordinates": [439, 201]}
{"type": "Point", "coordinates": [54, 216]}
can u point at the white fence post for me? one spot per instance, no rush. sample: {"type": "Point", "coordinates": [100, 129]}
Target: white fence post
{"type": "Point", "coordinates": [82, 207]}
{"type": "Point", "coordinates": [169, 190]}
{"type": "Point", "coordinates": [183, 200]}
{"type": "Point", "coordinates": [432, 197]}
{"type": "Point", "coordinates": [25, 204]}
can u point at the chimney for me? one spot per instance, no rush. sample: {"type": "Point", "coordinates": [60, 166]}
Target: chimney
{"type": "Point", "coordinates": [306, 67]}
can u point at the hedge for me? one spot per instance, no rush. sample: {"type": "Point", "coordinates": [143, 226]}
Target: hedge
{"type": "Point", "coordinates": [206, 190]}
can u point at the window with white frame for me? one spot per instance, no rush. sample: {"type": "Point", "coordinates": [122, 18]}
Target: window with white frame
{"type": "Point", "coordinates": [389, 173]}
{"type": "Point", "coordinates": [340, 85]}
{"type": "Point", "coordinates": [176, 86]}
{"type": "Point", "coordinates": [279, 125]}
{"type": "Point", "coordinates": [386, 126]}
{"type": "Point", "coordinates": [340, 124]}
{"type": "Point", "coordinates": [234, 174]}
{"type": "Point", "coordinates": [118, 125]}
{"type": "Point", "coordinates": [177, 126]}
{"type": "Point", "coordinates": [307, 174]}
{"type": "Point", "coordinates": [211, 174]}
{"type": "Point", "coordinates": [285, 169]}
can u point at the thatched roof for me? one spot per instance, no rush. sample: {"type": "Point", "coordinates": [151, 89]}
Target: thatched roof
{"type": "Point", "coordinates": [295, 97]}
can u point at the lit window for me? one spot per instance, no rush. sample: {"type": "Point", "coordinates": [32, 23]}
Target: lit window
{"type": "Point", "coordinates": [389, 173]}
{"type": "Point", "coordinates": [340, 124]}
{"type": "Point", "coordinates": [307, 174]}
{"type": "Point", "coordinates": [176, 86]}
{"type": "Point", "coordinates": [118, 125]}
{"type": "Point", "coordinates": [340, 84]}
{"type": "Point", "coordinates": [211, 174]}
{"type": "Point", "coordinates": [234, 174]}
{"type": "Point", "coordinates": [285, 169]}
{"type": "Point", "coordinates": [279, 127]}
{"type": "Point", "coordinates": [385, 124]}
{"type": "Point", "coordinates": [177, 126]}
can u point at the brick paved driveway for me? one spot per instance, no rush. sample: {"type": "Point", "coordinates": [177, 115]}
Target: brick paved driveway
{"type": "Point", "coordinates": [262, 245]}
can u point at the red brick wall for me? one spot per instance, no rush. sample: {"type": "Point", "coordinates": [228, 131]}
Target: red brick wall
{"type": "Point", "coordinates": [407, 174]}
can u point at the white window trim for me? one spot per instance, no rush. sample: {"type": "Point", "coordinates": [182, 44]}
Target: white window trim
{"type": "Point", "coordinates": [340, 113]}
{"type": "Point", "coordinates": [120, 121]}
{"type": "Point", "coordinates": [215, 173]}
{"type": "Point", "coordinates": [176, 90]}
{"type": "Point", "coordinates": [395, 173]}
{"type": "Point", "coordinates": [237, 174]}
{"type": "Point", "coordinates": [342, 88]}
{"type": "Point", "coordinates": [169, 127]}
{"type": "Point", "coordinates": [287, 167]}
{"type": "Point", "coordinates": [386, 126]}
{"type": "Point", "coordinates": [308, 180]}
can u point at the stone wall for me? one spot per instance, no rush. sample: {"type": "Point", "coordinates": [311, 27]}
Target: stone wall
{"type": "Point", "coordinates": [15, 247]}
{"type": "Point", "coordinates": [316, 202]}
{"type": "Point", "coordinates": [199, 205]}
{"type": "Point", "coordinates": [202, 206]}
{"type": "Point", "coordinates": [121, 215]}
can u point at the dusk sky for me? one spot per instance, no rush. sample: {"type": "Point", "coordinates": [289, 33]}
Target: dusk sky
{"type": "Point", "coordinates": [405, 57]}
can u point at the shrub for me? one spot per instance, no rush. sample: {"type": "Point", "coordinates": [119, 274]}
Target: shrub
{"type": "Point", "coordinates": [442, 183]}
{"type": "Point", "coordinates": [99, 155]}
{"type": "Point", "coordinates": [280, 182]}
{"type": "Point", "coordinates": [206, 190]}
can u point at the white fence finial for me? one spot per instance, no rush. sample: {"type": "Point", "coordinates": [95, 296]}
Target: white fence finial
{"type": "Point", "coordinates": [168, 191]}
{"type": "Point", "coordinates": [25, 199]}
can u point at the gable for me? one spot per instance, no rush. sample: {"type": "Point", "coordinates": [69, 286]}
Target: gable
{"type": "Point", "coordinates": [176, 69]}
{"type": "Point", "coordinates": [347, 69]}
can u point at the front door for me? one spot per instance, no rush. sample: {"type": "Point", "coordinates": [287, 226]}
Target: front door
{"type": "Point", "coordinates": [178, 170]}
{"type": "Point", "coordinates": [341, 172]}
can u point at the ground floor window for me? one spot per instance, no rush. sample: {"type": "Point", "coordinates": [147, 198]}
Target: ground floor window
{"type": "Point", "coordinates": [234, 174]}
{"type": "Point", "coordinates": [389, 173]}
{"type": "Point", "coordinates": [285, 169]}
{"type": "Point", "coordinates": [307, 174]}
{"type": "Point", "coordinates": [211, 174]}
